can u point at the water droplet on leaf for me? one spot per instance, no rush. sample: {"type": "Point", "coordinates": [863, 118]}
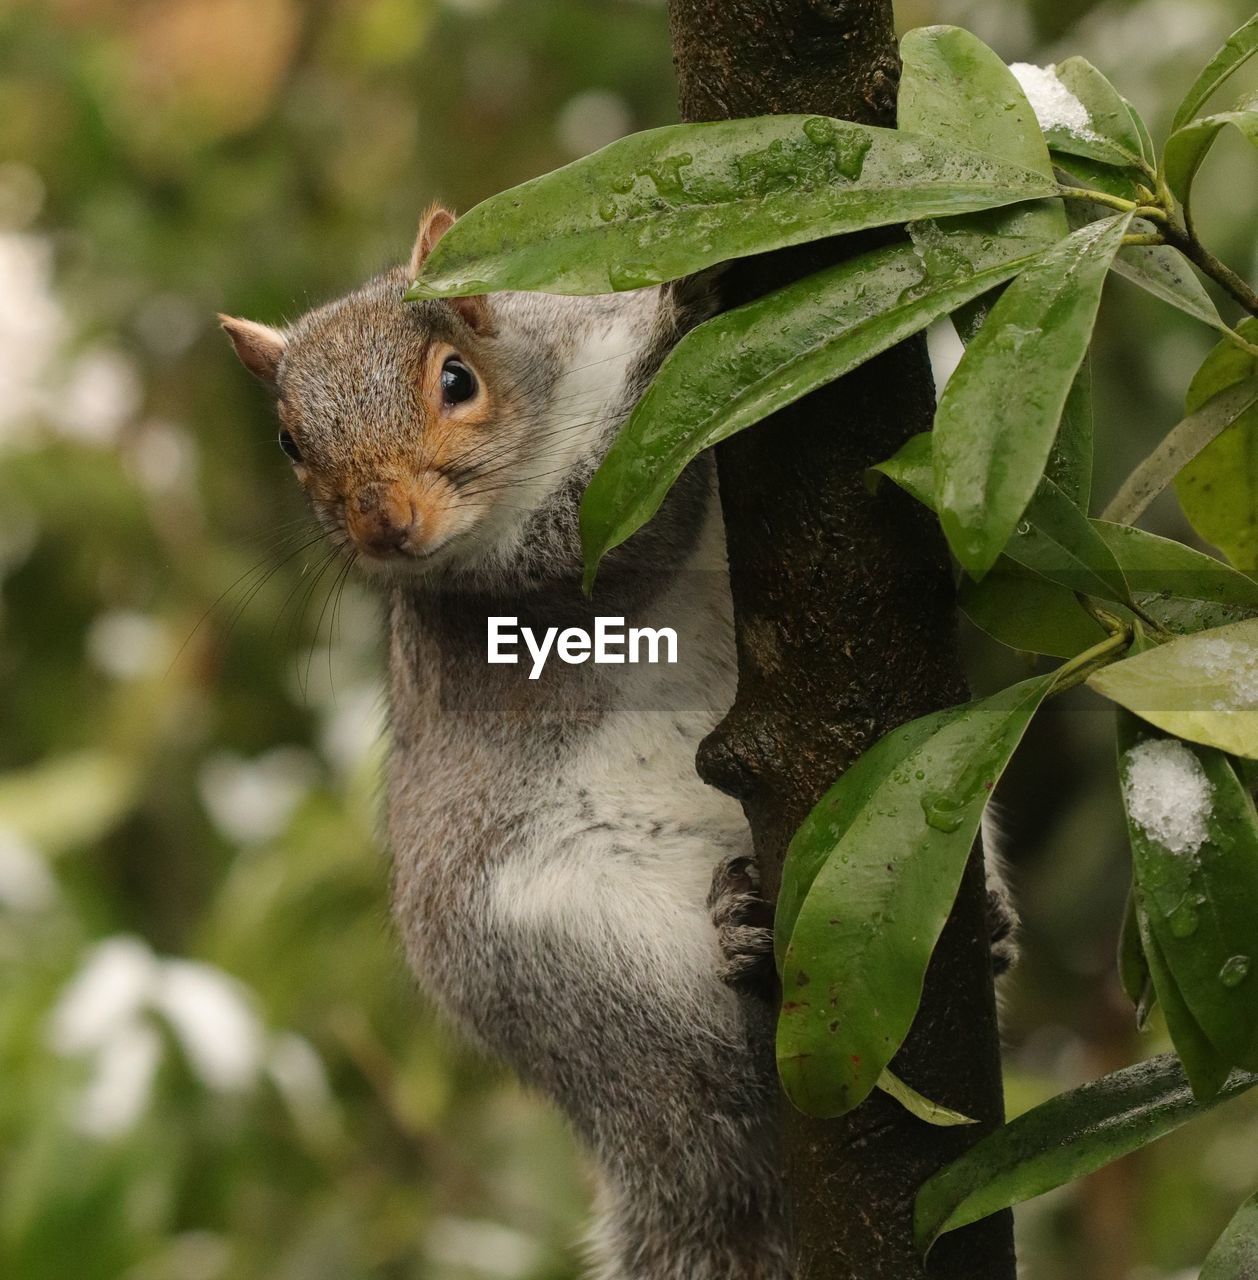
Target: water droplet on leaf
{"type": "Point", "coordinates": [1235, 971]}
{"type": "Point", "coordinates": [943, 813]}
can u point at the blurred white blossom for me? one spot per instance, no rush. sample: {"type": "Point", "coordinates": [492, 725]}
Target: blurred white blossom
{"type": "Point", "coordinates": [251, 801]}
{"type": "Point", "coordinates": [163, 457]}
{"type": "Point", "coordinates": [122, 1081]}
{"type": "Point", "coordinates": [31, 331]}
{"type": "Point", "coordinates": [102, 392]}
{"type": "Point", "coordinates": [591, 120]}
{"type": "Point", "coordinates": [26, 883]}
{"type": "Point", "coordinates": [126, 645]}
{"type": "Point", "coordinates": [213, 1017]}
{"type": "Point", "coordinates": [353, 726]}
{"type": "Point", "coordinates": [169, 323]}
{"type": "Point", "coordinates": [111, 1010]}
{"type": "Point", "coordinates": [109, 991]}
{"type": "Point", "coordinates": [485, 1247]}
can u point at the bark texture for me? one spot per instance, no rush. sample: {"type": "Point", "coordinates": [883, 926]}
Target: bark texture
{"type": "Point", "coordinates": [846, 628]}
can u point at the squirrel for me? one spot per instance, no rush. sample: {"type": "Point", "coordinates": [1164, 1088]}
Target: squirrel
{"type": "Point", "coordinates": [568, 891]}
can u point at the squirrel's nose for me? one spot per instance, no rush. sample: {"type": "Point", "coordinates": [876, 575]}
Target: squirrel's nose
{"type": "Point", "coordinates": [381, 518]}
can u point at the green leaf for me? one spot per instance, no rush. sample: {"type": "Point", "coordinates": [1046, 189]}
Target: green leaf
{"type": "Point", "coordinates": [892, 846]}
{"type": "Point", "coordinates": [668, 202]}
{"type": "Point", "coordinates": [955, 89]}
{"type": "Point", "coordinates": [1206, 1071]}
{"type": "Point", "coordinates": [1133, 966]}
{"type": "Point", "coordinates": [1218, 490]}
{"type": "Point", "coordinates": [1054, 539]}
{"type": "Point", "coordinates": [1181, 589]}
{"type": "Point", "coordinates": [1202, 687]}
{"type": "Point", "coordinates": [745, 364]}
{"type": "Point", "coordinates": [1188, 147]}
{"type": "Point", "coordinates": [1057, 541]}
{"type": "Point", "coordinates": [1235, 1253]}
{"type": "Point", "coordinates": [999, 414]}
{"type": "Point", "coordinates": [1022, 610]}
{"type": "Point", "coordinates": [912, 467]}
{"type": "Point", "coordinates": [1069, 465]}
{"type": "Point", "coordinates": [831, 817]}
{"type": "Point", "coordinates": [1065, 1138]}
{"type": "Point", "coordinates": [1095, 175]}
{"type": "Point", "coordinates": [1196, 879]}
{"type": "Point", "coordinates": [923, 1108]}
{"type": "Point", "coordinates": [1165, 273]}
{"type": "Point", "coordinates": [1239, 48]}
{"type": "Point", "coordinates": [1147, 149]}
{"type": "Point", "coordinates": [1184, 442]}
{"type": "Point", "coordinates": [1114, 136]}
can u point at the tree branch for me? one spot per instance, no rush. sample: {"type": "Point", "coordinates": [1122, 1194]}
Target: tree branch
{"type": "Point", "coordinates": [846, 627]}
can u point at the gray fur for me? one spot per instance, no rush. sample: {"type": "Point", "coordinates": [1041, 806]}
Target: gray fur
{"type": "Point", "coordinates": [554, 851]}
{"type": "Point", "coordinates": [567, 889]}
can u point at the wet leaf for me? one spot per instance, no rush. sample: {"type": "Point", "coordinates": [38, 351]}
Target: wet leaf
{"type": "Point", "coordinates": [955, 89]}
{"type": "Point", "coordinates": [668, 202]}
{"type": "Point", "coordinates": [1199, 896]}
{"type": "Point", "coordinates": [1235, 1253]}
{"type": "Point", "coordinates": [1241, 45]}
{"type": "Point", "coordinates": [1057, 541]}
{"type": "Point", "coordinates": [1115, 135]}
{"type": "Point", "coordinates": [999, 414]}
{"type": "Point", "coordinates": [1054, 539]}
{"type": "Point", "coordinates": [1095, 175]}
{"type": "Point", "coordinates": [1133, 966]}
{"type": "Point", "coordinates": [1147, 149]}
{"type": "Point", "coordinates": [1218, 490]}
{"type": "Point", "coordinates": [1206, 1071]}
{"type": "Point", "coordinates": [1202, 687]}
{"type": "Point", "coordinates": [1181, 589]}
{"type": "Point", "coordinates": [1165, 273]}
{"type": "Point", "coordinates": [830, 819]}
{"type": "Point", "coordinates": [743, 365]}
{"type": "Point", "coordinates": [1069, 1136]}
{"type": "Point", "coordinates": [1188, 147]}
{"type": "Point", "coordinates": [891, 841]}
{"type": "Point", "coordinates": [1185, 441]}
{"type": "Point", "coordinates": [1022, 610]}
{"type": "Point", "coordinates": [922, 1107]}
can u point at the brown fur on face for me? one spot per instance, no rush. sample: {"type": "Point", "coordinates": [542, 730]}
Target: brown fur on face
{"type": "Point", "coordinates": [382, 452]}
{"type": "Point", "coordinates": [485, 484]}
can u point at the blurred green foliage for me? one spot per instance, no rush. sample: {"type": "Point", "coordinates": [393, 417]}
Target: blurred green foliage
{"type": "Point", "coordinates": [213, 1061]}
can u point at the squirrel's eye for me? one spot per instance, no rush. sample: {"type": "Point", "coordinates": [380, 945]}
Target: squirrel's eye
{"type": "Point", "coordinates": [289, 445]}
{"type": "Point", "coordinates": [458, 382]}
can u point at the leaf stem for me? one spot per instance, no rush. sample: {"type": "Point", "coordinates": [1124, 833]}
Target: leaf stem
{"type": "Point", "coordinates": [1144, 238]}
{"type": "Point", "coordinates": [1080, 667]}
{"type": "Point", "coordinates": [1097, 197]}
{"type": "Point", "coordinates": [1153, 212]}
{"type": "Point", "coordinates": [1208, 264]}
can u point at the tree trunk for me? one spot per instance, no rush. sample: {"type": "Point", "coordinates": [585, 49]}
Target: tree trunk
{"type": "Point", "coordinates": [845, 623]}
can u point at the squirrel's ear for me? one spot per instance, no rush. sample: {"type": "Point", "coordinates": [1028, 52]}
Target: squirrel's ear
{"type": "Point", "coordinates": [259, 347]}
{"type": "Point", "coordinates": [432, 226]}
{"type": "Point", "coordinates": [437, 220]}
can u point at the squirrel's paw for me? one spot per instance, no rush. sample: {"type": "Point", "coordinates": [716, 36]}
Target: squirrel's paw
{"type": "Point", "coordinates": [744, 926]}
{"type": "Point", "coordinates": [1002, 926]}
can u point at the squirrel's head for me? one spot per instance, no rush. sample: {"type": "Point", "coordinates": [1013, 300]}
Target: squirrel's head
{"type": "Point", "coordinates": [392, 413]}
